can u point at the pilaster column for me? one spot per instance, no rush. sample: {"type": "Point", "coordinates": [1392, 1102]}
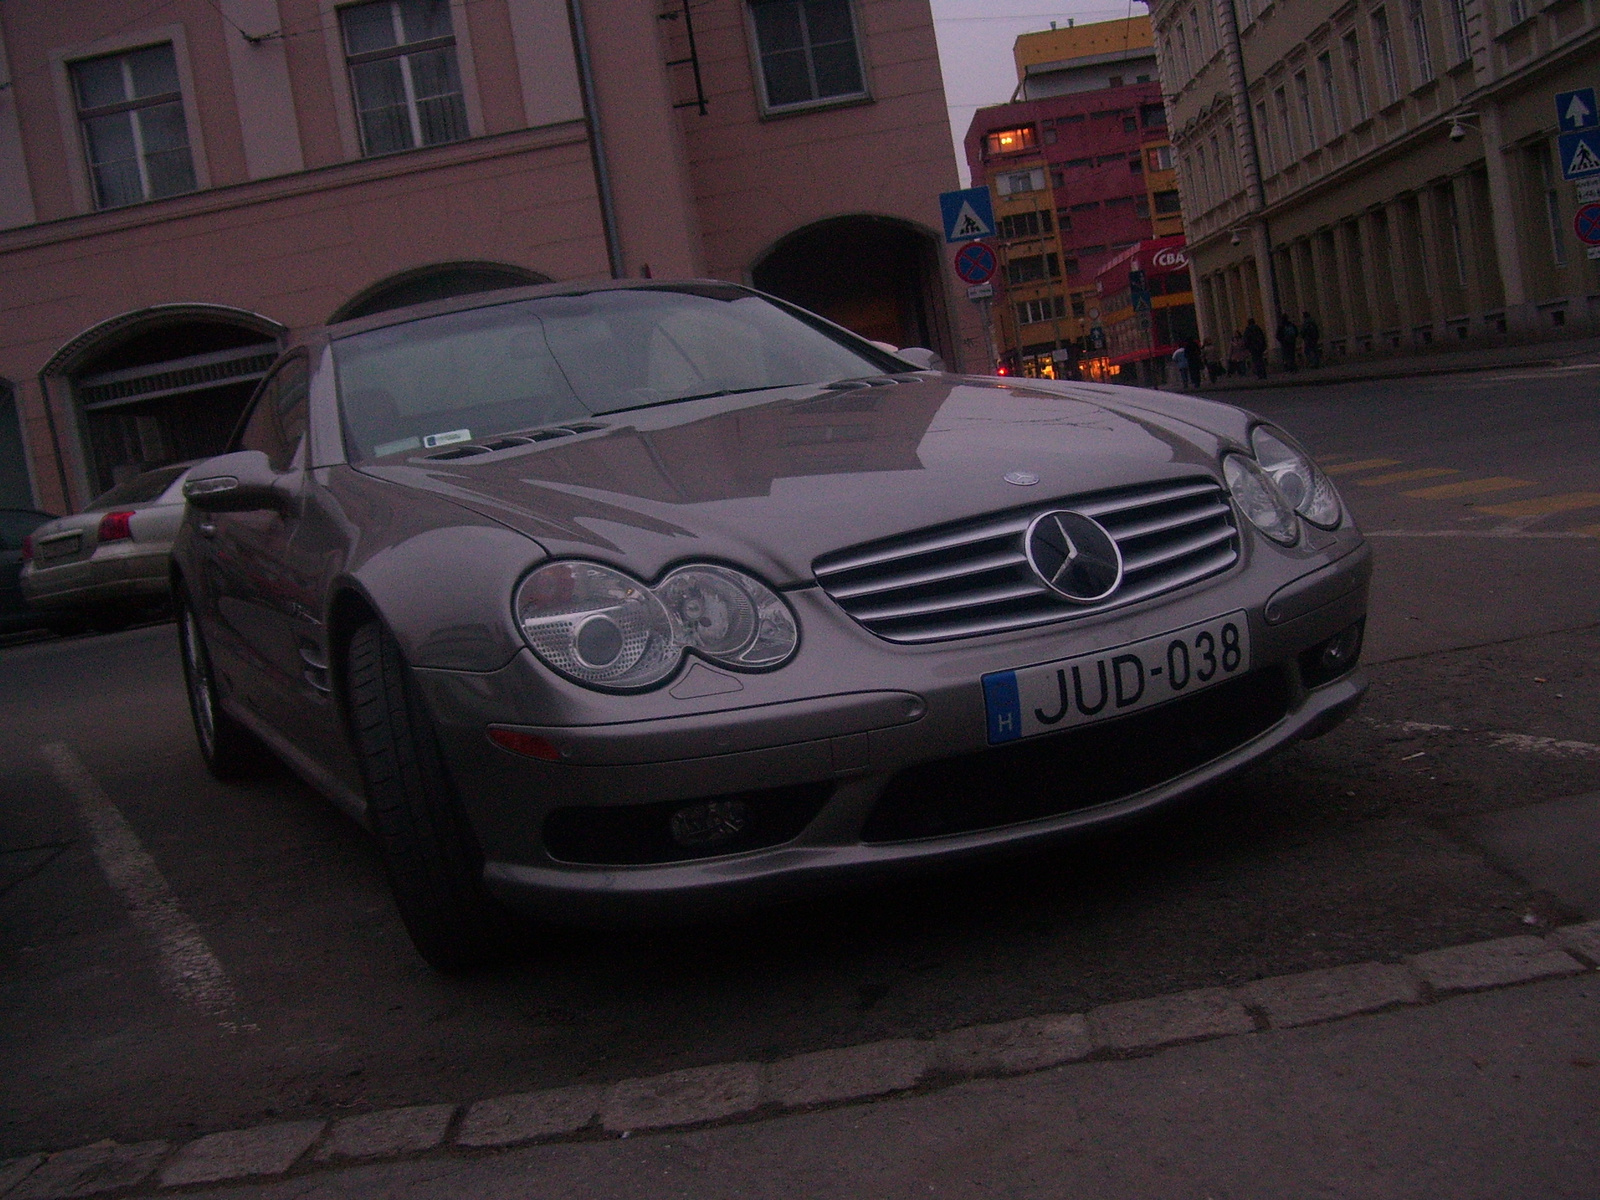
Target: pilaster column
{"type": "Point", "coordinates": [1503, 220]}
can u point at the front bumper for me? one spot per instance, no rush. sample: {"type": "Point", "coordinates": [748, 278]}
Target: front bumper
{"type": "Point", "coordinates": [892, 711]}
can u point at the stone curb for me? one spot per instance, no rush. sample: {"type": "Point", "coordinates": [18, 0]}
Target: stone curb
{"type": "Point", "coordinates": [735, 1091]}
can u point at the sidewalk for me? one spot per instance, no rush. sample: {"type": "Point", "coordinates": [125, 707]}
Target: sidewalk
{"type": "Point", "coordinates": [1472, 1071]}
{"type": "Point", "coordinates": [1441, 359]}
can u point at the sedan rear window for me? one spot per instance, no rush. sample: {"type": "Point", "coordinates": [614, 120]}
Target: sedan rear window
{"type": "Point", "coordinates": [139, 490]}
{"type": "Point", "coordinates": [506, 367]}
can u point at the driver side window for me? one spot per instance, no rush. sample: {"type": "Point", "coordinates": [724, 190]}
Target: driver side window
{"type": "Point", "coordinates": [277, 424]}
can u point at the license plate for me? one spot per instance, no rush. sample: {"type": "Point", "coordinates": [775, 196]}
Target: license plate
{"type": "Point", "coordinates": [1112, 683]}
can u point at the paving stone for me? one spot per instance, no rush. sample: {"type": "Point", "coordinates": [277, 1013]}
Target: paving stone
{"type": "Point", "coordinates": [1146, 1024]}
{"type": "Point", "coordinates": [505, 1120]}
{"type": "Point", "coordinates": [1312, 996]}
{"type": "Point", "coordinates": [89, 1170]}
{"type": "Point", "coordinates": [14, 1170]}
{"type": "Point", "coordinates": [264, 1150]}
{"type": "Point", "coordinates": [683, 1097]}
{"type": "Point", "coordinates": [848, 1074]}
{"type": "Point", "coordinates": [393, 1131]}
{"type": "Point", "coordinates": [1012, 1047]}
{"type": "Point", "coordinates": [1493, 964]}
{"type": "Point", "coordinates": [1581, 939]}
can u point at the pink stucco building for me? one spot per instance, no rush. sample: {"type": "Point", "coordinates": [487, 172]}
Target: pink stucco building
{"type": "Point", "coordinates": [183, 184]}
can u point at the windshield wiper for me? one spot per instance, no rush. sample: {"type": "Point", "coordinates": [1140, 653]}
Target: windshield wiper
{"type": "Point", "coordinates": [766, 387]}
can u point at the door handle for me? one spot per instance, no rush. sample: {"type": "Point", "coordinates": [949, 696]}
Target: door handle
{"type": "Point", "coordinates": [207, 528]}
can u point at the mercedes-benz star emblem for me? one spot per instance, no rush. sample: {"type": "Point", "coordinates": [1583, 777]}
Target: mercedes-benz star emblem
{"type": "Point", "coordinates": [1073, 556]}
{"type": "Point", "coordinates": [1022, 478]}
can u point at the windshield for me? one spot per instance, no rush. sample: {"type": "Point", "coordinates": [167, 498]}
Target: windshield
{"type": "Point", "coordinates": [486, 371]}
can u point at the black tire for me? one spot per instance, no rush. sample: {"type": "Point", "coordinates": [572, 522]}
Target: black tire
{"type": "Point", "coordinates": [430, 854]}
{"type": "Point", "coordinates": [230, 750]}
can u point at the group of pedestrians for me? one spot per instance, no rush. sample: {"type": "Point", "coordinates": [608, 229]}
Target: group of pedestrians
{"type": "Point", "coordinates": [1247, 351]}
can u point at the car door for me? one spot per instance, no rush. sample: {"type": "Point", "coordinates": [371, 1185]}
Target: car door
{"type": "Point", "coordinates": [251, 594]}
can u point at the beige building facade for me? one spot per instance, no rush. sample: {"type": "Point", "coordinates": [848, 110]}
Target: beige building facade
{"type": "Point", "coordinates": [183, 184]}
{"type": "Point", "coordinates": [1389, 166]}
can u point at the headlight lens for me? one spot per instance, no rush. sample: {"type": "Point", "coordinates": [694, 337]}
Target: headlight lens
{"type": "Point", "coordinates": [1308, 491]}
{"type": "Point", "coordinates": [1259, 499]}
{"type": "Point", "coordinates": [604, 629]}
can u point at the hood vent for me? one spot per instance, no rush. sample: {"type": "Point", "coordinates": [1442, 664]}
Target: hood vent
{"type": "Point", "coordinates": [511, 441]}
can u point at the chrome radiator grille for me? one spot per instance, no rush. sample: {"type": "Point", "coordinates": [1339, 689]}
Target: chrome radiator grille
{"type": "Point", "coordinates": [972, 577]}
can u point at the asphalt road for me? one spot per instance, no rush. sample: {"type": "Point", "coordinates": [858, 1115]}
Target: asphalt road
{"type": "Point", "coordinates": [1373, 842]}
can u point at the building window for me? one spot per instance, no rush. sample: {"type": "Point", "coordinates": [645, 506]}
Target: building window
{"type": "Point", "coordinates": [1167, 204]}
{"type": "Point", "coordinates": [1302, 95]}
{"type": "Point", "coordinates": [1024, 224]}
{"type": "Point", "coordinates": [1517, 10]}
{"type": "Point", "coordinates": [1160, 158]}
{"type": "Point", "coordinates": [1247, 13]}
{"type": "Point", "coordinates": [1130, 124]}
{"type": "Point", "coordinates": [1358, 83]}
{"type": "Point", "coordinates": [402, 60]}
{"type": "Point", "coordinates": [1280, 101]}
{"type": "Point", "coordinates": [1136, 165]}
{"type": "Point", "coordinates": [808, 51]}
{"type": "Point", "coordinates": [1011, 141]}
{"type": "Point", "coordinates": [1330, 94]}
{"type": "Point", "coordinates": [1264, 133]}
{"type": "Point", "coordinates": [1153, 116]}
{"type": "Point", "coordinates": [1032, 268]}
{"type": "Point", "coordinates": [1217, 168]}
{"type": "Point", "coordinates": [1552, 201]}
{"type": "Point", "coordinates": [1185, 73]}
{"type": "Point", "coordinates": [1051, 308]}
{"type": "Point", "coordinates": [1086, 206]}
{"type": "Point", "coordinates": [1423, 54]}
{"type": "Point", "coordinates": [1385, 48]}
{"type": "Point", "coordinates": [130, 110]}
{"type": "Point", "coordinates": [1460, 39]}
{"type": "Point", "coordinates": [1012, 182]}
{"type": "Point", "coordinates": [1141, 206]}
{"type": "Point", "coordinates": [1194, 27]}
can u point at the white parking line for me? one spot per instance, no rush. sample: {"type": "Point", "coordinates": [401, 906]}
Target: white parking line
{"type": "Point", "coordinates": [192, 970]}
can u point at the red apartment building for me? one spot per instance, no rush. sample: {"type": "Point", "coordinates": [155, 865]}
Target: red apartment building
{"type": "Point", "coordinates": [1081, 174]}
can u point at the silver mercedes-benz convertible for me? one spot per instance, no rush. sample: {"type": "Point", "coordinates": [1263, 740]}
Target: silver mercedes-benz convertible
{"type": "Point", "coordinates": [590, 597]}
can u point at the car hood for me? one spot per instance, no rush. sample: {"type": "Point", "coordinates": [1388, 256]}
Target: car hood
{"type": "Point", "coordinates": [773, 481]}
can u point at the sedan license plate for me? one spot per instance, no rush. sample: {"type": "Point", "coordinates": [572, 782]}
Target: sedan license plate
{"type": "Point", "coordinates": [1112, 683]}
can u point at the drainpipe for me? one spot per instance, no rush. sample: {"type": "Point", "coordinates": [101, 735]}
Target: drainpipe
{"type": "Point", "coordinates": [1244, 132]}
{"type": "Point", "coordinates": [597, 149]}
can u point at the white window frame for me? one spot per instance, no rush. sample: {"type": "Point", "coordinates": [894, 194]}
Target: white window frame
{"type": "Point", "coordinates": [759, 75]}
{"type": "Point", "coordinates": [1350, 45]}
{"type": "Point", "coordinates": [1308, 116]}
{"type": "Point", "coordinates": [75, 154]}
{"type": "Point", "coordinates": [1421, 50]}
{"type": "Point", "coordinates": [1327, 75]}
{"type": "Point", "coordinates": [1460, 31]}
{"type": "Point", "coordinates": [344, 107]}
{"type": "Point", "coordinates": [1383, 45]}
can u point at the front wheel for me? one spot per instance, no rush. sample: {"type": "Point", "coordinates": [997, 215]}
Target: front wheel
{"type": "Point", "coordinates": [229, 749]}
{"type": "Point", "coordinates": [434, 865]}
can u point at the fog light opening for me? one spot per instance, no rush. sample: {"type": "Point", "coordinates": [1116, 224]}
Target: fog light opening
{"type": "Point", "coordinates": [1334, 657]}
{"type": "Point", "coordinates": [708, 823]}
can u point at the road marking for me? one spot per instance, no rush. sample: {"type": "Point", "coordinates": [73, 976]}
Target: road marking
{"type": "Point", "coordinates": [192, 971]}
{"type": "Point", "coordinates": [1407, 476]}
{"type": "Point", "coordinates": [1544, 506]}
{"type": "Point", "coordinates": [1469, 487]}
{"type": "Point", "coordinates": [1365, 464]}
{"type": "Point", "coordinates": [1480, 533]}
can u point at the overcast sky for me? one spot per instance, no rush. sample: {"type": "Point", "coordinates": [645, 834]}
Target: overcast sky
{"type": "Point", "coordinates": [975, 38]}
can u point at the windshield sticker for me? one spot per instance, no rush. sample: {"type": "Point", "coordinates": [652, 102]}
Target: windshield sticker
{"type": "Point", "coordinates": [444, 439]}
{"type": "Point", "coordinates": [385, 448]}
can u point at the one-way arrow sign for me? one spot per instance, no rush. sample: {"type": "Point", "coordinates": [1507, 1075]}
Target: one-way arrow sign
{"type": "Point", "coordinates": [1577, 110]}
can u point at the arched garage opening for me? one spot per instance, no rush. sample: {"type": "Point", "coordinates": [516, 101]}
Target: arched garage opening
{"type": "Point", "coordinates": [160, 385]}
{"type": "Point", "coordinates": [878, 276]}
{"type": "Point", "coordinates": [440, 281]}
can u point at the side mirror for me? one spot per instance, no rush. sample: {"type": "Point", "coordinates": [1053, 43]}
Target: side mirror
{"type": "Point", "coordinates": [243, 481]}
{"type": "Point", "coordinates": [921, 359]}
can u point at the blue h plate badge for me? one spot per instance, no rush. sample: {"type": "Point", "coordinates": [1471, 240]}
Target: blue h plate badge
{"type": "Point", "coordinates": [1004, 705]}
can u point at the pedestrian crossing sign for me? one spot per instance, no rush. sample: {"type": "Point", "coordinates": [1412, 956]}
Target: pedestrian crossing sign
{"type": "Point", "coordinates": [968, 214]}
{"type": "Point", "coordinates": [1580, 153]}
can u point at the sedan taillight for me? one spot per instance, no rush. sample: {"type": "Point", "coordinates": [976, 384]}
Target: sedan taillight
{"type": "Point", "coordinates": [114, 526]}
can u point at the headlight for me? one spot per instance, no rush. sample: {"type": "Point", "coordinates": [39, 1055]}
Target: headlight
{"type": "Point", "coordinates": [1308, 491]}
{"type": "Point", "coordinates": [603, 629]}
{"type": "Point", "coordinates": [1259, 499]}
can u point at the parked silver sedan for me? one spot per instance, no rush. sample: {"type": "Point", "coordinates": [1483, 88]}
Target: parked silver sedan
{"type": "Point", "coordinates": [588, 597]}
{"type": "Point", "coordinates": [110, 563]}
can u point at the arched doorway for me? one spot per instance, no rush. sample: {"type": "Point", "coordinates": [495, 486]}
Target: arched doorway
{"type": "Point", "coordinates": [877, 276]}
{"type": "Point", "coordinates": [440, 281]}
{"type": "Point", "coordinates": [160, 385]}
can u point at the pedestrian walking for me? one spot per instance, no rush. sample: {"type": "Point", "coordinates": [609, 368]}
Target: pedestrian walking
{"type": "Point", "coordinates": [1212, 358]}
{"type": "Point", "coordinates": [1180, 360]}
{"type": "Point", "coordinates": [1237, 354]}
{"type": "Point", "coordinates": [1288, 335]}
{"type": "Point", "coordinates": [1311, 337]}
{"type": "Point", "coordinates": [1196, 361]}
{"type": "Point", "coordinates": [1255, 341]}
